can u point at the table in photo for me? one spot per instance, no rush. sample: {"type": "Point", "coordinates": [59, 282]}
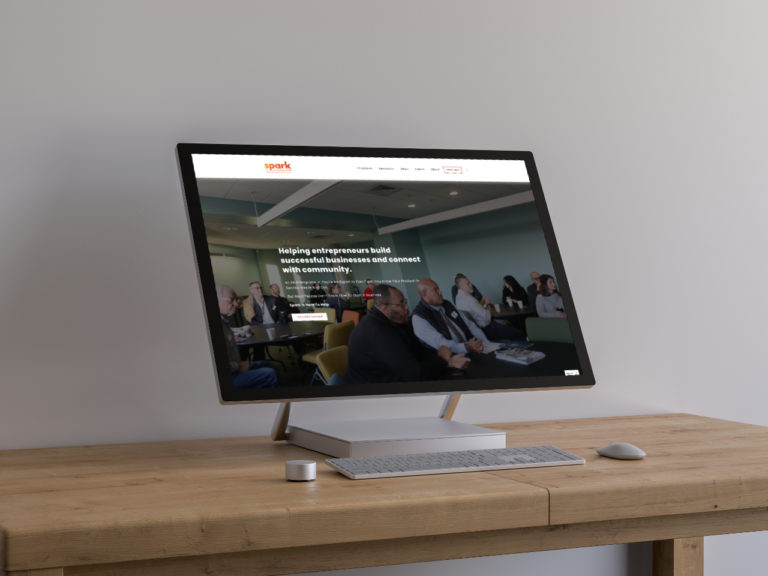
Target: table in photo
{"type": "Point", "coordinates": [558, 358]}
{"type": "Point", "coordinates": [269, 334]}
{"type": "Point", "coordinates": [506, 312]}
{"type": "Point", "coordinates": [290, 334]}
{"type": "Point", "coordinates": [512, 315]}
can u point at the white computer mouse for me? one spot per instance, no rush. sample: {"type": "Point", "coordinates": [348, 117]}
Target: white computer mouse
{"type": "Point", "coordinates": [621, 451]}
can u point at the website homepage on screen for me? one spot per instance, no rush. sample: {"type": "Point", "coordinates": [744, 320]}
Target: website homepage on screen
{"type": "Point", "coordinates": [445, 257]}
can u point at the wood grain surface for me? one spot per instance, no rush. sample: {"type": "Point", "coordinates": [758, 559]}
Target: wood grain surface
{"type": "Point", "coordinates": [187, 507]}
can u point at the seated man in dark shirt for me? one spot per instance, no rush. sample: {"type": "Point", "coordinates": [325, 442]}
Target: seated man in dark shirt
{"type": "Point", "coordinates": [244, 374]}
{"type": "Point", "coordinates": [281, 305]}
{"type": "Point", "coordinates": [383, 347]}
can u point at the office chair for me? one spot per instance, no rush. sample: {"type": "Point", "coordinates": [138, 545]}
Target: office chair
{"type": "Point", "coordinates": [548, 330]}
{"type": "Point", "coordinates": [333, 365]}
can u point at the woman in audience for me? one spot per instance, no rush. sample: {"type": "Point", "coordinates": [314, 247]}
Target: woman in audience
{"type": "Point", "coordinates": [336, 301]}
{"type": "Point", "coordinates": [513, 293]}
{"type": "Point", "coordinates": [549, 303]}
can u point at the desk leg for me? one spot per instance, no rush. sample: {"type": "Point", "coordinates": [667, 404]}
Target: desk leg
{"type": "Point", "coordinates": [679, 557]}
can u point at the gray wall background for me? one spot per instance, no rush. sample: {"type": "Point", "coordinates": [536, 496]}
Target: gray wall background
{"type": "Point", "coordinates": [648, 121]}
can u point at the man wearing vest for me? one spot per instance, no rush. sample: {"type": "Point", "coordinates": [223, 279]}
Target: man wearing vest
{"type": "Point", "coordinates": [437, 323]}
{"type": "Point", "coordinates": [383, 347]}
{"type": "Point", "coordinates": [260, 309]}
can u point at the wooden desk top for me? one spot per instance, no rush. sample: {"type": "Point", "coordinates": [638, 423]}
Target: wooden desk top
{"type": "Point", "coordinates": [105, 504]}
{"type": "Point", "coordinates": [693, 464]}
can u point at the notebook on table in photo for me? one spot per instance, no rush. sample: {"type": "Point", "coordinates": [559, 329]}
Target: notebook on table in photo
{"type": "Point", "coordinates": [519, 356]}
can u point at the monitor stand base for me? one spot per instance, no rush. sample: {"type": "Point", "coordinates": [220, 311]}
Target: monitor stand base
{"type": "Point", "coordinates": [391, 436]}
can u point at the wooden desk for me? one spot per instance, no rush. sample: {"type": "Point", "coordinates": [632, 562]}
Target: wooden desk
{"type": "Point", "coordinates": [222, 506]}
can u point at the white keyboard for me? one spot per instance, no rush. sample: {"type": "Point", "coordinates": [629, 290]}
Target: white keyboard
{"type": "Point", "coordinates": [450, 462]}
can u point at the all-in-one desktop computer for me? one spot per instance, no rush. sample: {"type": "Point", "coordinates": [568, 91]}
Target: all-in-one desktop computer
{"type": "Point", "coordinates": [427, 251]}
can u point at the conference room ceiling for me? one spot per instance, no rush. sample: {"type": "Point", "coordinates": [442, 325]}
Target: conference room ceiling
{"type": "Point", "coordinates": [378, 200]}
{"type": "Point", "coordinates": [242, 231]}
{"type": "Point", "coordinates": [401, 200]}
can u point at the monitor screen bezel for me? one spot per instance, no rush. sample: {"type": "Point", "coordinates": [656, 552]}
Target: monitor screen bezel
{"type": "Point", "coordinates": [228, 394]}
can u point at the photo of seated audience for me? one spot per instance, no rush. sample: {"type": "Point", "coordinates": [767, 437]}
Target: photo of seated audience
{"type": "Point", "coordinates": [549, 303]}
{"type": "Point", "coordinates": [245, 374]}
{"type": "Point", "coordinates": [281, 305]}
{"type": "Point", "coordinates": [476, 294]}
{"type": "Point", "coordinates": [261, 309]}
{"type": "Point", "coordinates": [384, 348]}
{"type": "Point", "coordinates": [336, 301]}
{"type": "Point", "coordinates": [533, 289]}
{"type": "Point", "coordinates": [473, 310]}
{"type": "Point", "coordinates": [329, 258]}
{"type": "Point", "coordinates": [368, 292]}
{"type": "Point", "coordinates": [513, 293]}
{"type": "Point", "coordinates": [438, 323]}
{"type": "Point", "coordinates": [317, 295]}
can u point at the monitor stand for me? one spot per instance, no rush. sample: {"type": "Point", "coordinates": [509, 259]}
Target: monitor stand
{"type": "Point", "coordinates": [353, 438]}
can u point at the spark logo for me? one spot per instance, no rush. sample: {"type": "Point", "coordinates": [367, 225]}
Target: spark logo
{"type": "Point", "coordinates": [283, 167]}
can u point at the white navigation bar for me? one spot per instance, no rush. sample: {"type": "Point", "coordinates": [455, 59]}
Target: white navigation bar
{"type": "Point", "coordinates": [357, 168]}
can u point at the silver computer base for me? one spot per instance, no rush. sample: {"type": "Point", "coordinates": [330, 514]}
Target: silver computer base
{"type": "Point", "coordinates": [352, 438]}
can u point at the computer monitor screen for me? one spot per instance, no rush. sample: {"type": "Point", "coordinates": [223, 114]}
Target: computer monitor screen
{"type": "Point", "coordinates": [342, 272]}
